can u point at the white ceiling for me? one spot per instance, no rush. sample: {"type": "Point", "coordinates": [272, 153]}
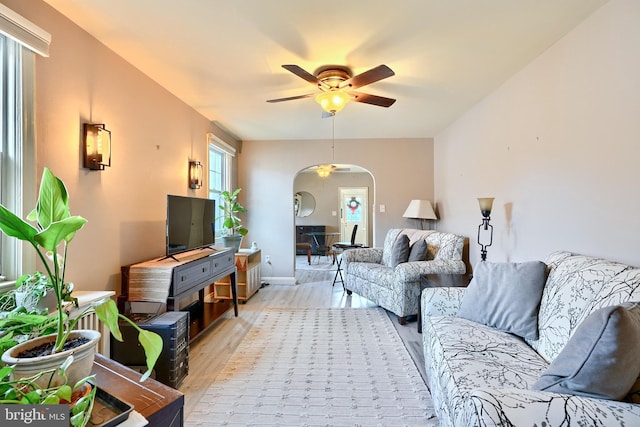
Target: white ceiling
{"type": "Point", "coordinates": [224, 57]}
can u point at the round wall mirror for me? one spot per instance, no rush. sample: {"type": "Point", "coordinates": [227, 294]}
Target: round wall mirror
{"type": "Point", "coordinates": [303, 203]}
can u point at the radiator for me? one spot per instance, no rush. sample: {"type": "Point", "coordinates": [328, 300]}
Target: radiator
{"type": "Point", "coordinates": [91, 321]}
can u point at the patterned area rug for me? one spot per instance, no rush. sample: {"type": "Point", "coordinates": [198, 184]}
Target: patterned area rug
{"type": "Point", "coordinates": [318, 367]}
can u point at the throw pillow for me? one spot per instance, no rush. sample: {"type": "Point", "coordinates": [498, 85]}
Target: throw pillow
{"type": "Point", "coordinates": [506, 296]}
{"type": "Point", "coordinates": [418, 251]}
{"type": "Point", "coordinates": [400, 250]}
{"type": "Point", "coordinates": [601, 358]}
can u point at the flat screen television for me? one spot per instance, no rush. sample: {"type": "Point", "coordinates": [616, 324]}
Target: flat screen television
{"type": "Point", "coordinates": [190, 223]}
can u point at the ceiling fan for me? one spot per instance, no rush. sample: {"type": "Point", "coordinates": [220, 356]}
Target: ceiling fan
{"type": "Point", "coordinates": [325, 170]}
{"type": "Point", "coordinates": [337, 84]}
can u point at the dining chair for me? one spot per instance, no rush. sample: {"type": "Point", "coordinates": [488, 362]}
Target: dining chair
{"type": "Point", "coordinates": [339, 248]}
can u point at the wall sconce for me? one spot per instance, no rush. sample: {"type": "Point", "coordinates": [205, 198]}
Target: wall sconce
{"type": "Point", "coordinates": [195, 174]}
{"type": "Point", "coordinates": [486, 203]}
{"type": "Point", "coordinates": [420, 209]}
{"type": "Point", "coordinates": [97, 146]}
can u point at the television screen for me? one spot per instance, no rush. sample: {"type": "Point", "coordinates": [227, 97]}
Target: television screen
{"type": "Point", "coordinates": [190, 223]}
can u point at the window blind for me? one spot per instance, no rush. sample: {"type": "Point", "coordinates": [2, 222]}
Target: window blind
{"type": "Point", "coordinates": [24, 31]}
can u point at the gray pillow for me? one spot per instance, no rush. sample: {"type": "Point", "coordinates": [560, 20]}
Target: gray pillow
{"type": "Point", "coordinates": [400, 250]}
{"type": "Point", "coordinates": [601, 358]}
{"type": "Point", "coordinates": [506, 296]}
{"type": "Point", "coordinates": [418, 251]}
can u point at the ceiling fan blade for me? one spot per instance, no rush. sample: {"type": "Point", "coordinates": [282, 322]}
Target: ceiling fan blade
{"type": "Point", "coordinates": [367, 98]}
{"type": "Point", "coordinates": [290, 98]}
{"type": "Point", "coordinates": [373, 75]}
{"type": "Point", "coordinates": [303, 74]}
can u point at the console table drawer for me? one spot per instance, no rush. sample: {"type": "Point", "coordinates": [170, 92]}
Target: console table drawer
{"type": "Point", "coordinates": [223, 260]}
{"type": "Point", "coordinates": [189, 275]}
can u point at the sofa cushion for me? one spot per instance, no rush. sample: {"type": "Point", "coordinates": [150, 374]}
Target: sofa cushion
{"type": "Point", "coordinates": [418, 251]}
{"type": "Point", "coordinates": [444, 246]}
{"type": "Point", "coordinates": [400, 250]}
{"type": "Point", "coordinates": [506, 296]}
{"type": "Point", "coordinates": [461, 356]}
{"type": "Point", "coordinates": [601, 358]}
{"type": "Point", "coordinates": [569, 297]}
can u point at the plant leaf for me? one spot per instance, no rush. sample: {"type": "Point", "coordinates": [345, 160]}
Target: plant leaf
{"type": "Point", "coordinates": [53, 200]}
{"type": "Point", "coordinates": [107, 312]}
{"type": "Point", "coordinates": [56, 232]}
{"type": "Point", "coordinates": [13, 226]}
{"type": "Point", "coordinates": [51, 399]}
{"type": "Point", "coordinates": [5, 371]}
{"type": "Point", "coordinates": [152, 344]}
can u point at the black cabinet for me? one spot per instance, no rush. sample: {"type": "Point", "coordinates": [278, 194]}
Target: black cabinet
{"type": "Point", "coordinates": [303, 237]}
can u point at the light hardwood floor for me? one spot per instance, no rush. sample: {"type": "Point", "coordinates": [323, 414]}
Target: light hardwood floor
{"type": "Point", "coordinates": [209, 353]}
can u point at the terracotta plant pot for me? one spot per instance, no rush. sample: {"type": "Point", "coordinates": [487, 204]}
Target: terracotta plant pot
{"type": "Point", "coordinates": [83, 356]}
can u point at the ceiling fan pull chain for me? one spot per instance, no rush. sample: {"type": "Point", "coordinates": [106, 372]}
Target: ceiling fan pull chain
{"type": "Point", "coordinates": [333, 137]}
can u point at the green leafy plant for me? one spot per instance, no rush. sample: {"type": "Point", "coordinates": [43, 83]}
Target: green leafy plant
{"type": "Point", "coordinates": [30, 290]}
{"type": "Point", "coordinates": [51, 235]}
{"type": "Point", "coordinates": [230, 208]}
{"type": "Point", "coordinates": [27, 391]}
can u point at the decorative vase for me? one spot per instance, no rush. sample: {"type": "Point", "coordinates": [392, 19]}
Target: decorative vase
{"type": "Point", "coordinates": [83, 356]}
{"type": "Point", "coordinates": [232, 241]}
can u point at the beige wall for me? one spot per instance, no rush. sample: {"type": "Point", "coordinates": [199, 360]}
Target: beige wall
{"type": "Point", "coordinates": [154, 135]}
{"type": "Point", "coordinates": [402, 170]}
{"type": "Point", "coordinates": [557, 146]}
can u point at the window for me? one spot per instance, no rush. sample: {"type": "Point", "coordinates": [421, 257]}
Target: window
{"type": "Point", "coordinates": [19, 39]}
{"type": "Point", "coordinates": [219, 171]}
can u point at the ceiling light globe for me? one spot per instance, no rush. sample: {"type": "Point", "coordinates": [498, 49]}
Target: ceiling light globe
{"type": "Point", "coordinates": [332, 101]}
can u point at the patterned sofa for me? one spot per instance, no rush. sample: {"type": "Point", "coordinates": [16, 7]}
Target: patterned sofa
{"type": "Point", "coordinates": [368, 271]}
{"type": "Point", "coordinates": [479, 376]}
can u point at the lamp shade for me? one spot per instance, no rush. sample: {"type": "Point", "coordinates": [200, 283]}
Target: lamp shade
{"type": "Point", "coordinates": [420, 209]}
{"type": "Point", "coordinates": [486, 204]}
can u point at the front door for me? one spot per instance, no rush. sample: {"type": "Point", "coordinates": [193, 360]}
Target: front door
{"type": "Point", "coordinates": [354, 202]}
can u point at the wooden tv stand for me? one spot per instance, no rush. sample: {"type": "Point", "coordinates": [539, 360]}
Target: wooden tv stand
{"type": "Point", "coordinates": [176, 281]}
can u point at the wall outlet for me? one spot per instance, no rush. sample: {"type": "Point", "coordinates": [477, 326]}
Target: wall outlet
{"type": "Point", "coordinates": [267, 259]}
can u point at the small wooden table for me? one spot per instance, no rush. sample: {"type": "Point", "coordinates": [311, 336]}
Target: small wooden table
{"type": "Point", "coordinates": [440, 281]}
{"type": "Point", "coordinates": [160, 404]}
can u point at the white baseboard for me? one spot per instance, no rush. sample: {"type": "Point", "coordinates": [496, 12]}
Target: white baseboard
{"type": "Point", "coordinates": [280, 280]}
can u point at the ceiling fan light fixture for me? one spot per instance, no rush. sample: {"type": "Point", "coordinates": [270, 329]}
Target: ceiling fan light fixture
{"type": "Point", "coordinates": [324, 170]}
{"type": "Point", "coordinates": [332, 101]}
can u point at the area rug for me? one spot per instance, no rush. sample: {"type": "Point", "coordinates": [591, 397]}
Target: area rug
{"type": "Point", "coordinates": [318, 367]}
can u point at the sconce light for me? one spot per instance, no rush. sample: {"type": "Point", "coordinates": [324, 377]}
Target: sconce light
{"type": "Point", "coordinates": [97, 146]}
{"type": "Point", "coordinates": [486, 203]}
{"type": "Point", "coordinates": [420, 209]}
{"type": "Point", "coordinates": [195, 174]}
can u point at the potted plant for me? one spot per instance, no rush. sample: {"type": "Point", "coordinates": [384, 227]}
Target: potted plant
{"type": "Point", "coordinates": [34, 293]}
{"type": "Point", "coordinates": [234, 230]}
{"type": "Point", "coordinates": [51, 235]}
{"type": "Point", "coordinates": [28, 391]}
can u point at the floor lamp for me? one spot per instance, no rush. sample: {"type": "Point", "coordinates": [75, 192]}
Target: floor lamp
{"type": "Point", "coordinates": [486, 204]}
{"type": "Point", "coordinates": [421, 210]}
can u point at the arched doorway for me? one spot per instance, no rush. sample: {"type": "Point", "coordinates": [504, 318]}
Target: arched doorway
{"type": "Point", "coordinates": [326, 191]}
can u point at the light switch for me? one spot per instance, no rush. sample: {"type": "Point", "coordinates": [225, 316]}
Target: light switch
{"type": "Point", "coordinates": [334, 213]}
{"type": "Point", "coordinates": [382, 208]}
